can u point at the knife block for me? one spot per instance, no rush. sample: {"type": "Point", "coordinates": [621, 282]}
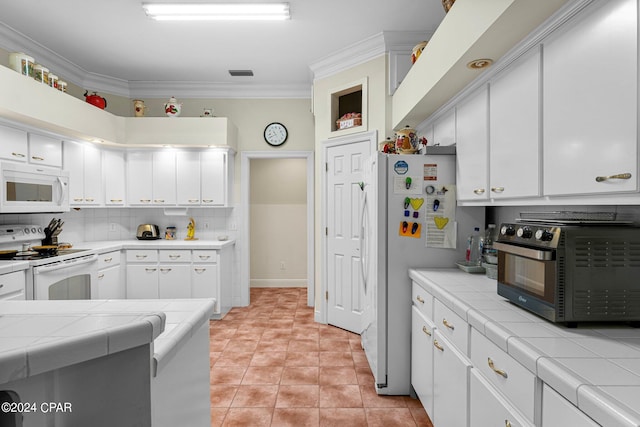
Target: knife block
{"type": "Point", "coordinates": [50, 240]}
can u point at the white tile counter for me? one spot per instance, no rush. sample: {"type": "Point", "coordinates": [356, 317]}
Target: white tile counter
{"type": "Point", "coordinates": [40, 336]}
{"type": "Point", "coordinates": [9, 266]}
{"type": "Point", "coordinates": [115, 245]}
{"type": "Point", "coordinates": [594, 366]}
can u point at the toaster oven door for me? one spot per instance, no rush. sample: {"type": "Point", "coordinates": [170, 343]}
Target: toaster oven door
{"type": "Point", "coordinates": [528, 271]}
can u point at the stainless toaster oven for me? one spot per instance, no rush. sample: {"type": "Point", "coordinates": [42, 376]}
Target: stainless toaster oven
{"type": "Point", "coordinates": [571, 273]}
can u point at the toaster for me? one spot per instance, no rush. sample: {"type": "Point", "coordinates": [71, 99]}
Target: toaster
{"type": "Point", "coordinates": [148, 232]}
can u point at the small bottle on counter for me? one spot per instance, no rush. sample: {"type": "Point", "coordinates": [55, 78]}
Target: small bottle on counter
{"type": "Point", "coordinates": [473, 248]}
{"type": "Point", "coordinates": [490, 236]}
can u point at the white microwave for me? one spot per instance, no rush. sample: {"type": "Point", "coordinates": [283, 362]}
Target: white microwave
{"type": "Point", "coordinates": [28, 188]}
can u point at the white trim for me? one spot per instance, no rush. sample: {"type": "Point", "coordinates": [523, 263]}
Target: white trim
{"type": "Point", "coordinates": [348, 57]}
{"type": "Point", "coordinates": [321, 312]}
{"type": "Point", "coordinates": [279, 283]}
{"type": "Point", "coordinates": [245, 162]}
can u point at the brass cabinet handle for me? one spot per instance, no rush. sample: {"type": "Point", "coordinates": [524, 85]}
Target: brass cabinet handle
{"type": "Point", "coordinates": [207, 200]}
{"type": "Point", "coordinates": [149, 269]}
{"type": "Point", "coordinates": [145, 200]}
{"type": "Point", "coordinates": [200, 270]}
{"type": "Point", "coordinates": [141, 256]}
{"type": "Point", "coordinates": [616, 176]}
{"type": "Point", "coordinates": [37, 158]}
{"type": "Point", "coordinates": [116, 200]}
{"type": "Point", "coordinates": [447, 324]}
{"type": "Point", "coordinates": [108, 259]}
{"type": "Point", "coordinates": [194, 200]}
{"type": "Point", "coordinates": [90, 199]}
{"type": "Point", "coordinates": [204, 256]}
{"type": "Point", "coordinates": [174, 256]}
{"type": "Point", "coordinates": [437, 345]}
{"type": "Point", "coordinates": [426, 331]}
{"type": "Point", "coordinates": [497, 189]}
{"type": "Point", "coordinates": [18, 155]}
{"type": "Point", "coordinates": [496, 370]}
{"type": "Point", "coordinates": [479, 191]}
{"type": "Point", "coordinates": [100, 276]}
{"type": "Point", "coordinates": [420, 299]}
{"type": "Point", "coordinates": [507, 423]}
{"type": "Point", "coordinates": [165, 270]}
{"type": "Point", "coordinates": [158, 200]}
{"type": "Point", "coordinates": [77, 199]}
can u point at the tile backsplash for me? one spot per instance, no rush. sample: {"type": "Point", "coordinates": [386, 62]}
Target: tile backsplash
{"type": "Point", "coordinates": [91, 224]}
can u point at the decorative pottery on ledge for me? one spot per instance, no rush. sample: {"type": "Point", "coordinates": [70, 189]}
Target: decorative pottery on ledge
{"type": "Point", "coordinates": [447, 4]}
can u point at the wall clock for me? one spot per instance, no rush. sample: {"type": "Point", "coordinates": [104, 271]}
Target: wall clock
{"type": "Point", "coordinates": [275, 134]}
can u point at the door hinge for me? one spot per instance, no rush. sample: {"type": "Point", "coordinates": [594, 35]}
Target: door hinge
{"type": "Point", "coordinates": [326, 295]}
{"type": "Point", "coordinates": [326, 167]}
{"type": "Point", "coordinates": [326, 231]}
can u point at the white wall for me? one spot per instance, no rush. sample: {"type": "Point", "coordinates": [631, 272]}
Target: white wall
{"type": "Point", "coordinates": [278, 223]}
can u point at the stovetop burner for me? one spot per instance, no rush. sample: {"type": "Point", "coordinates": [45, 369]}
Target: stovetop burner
{"type": "Point", "coordinates": [30, 256]}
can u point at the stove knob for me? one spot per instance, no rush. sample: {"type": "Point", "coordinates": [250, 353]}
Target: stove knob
{"type": "Point", "coordinates": [524, 232]}
{"type": "Point", "coordinates": [33, 230]}
{"type": "Point", "coordinates": [544, 235]}
{"type": "Point", "coordinates": [27, 231]}
{"type": "Point", "coordinates": [507, 230]}
{"type": "Point", "coordinates": [39, 229]}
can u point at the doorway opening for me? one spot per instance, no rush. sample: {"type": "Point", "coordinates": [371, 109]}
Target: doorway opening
{"type": "Point", "coordinates": [278, 239]}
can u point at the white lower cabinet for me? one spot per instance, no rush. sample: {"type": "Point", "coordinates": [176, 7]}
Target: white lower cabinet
{"type": "Point", "coordinates": [110, 283]}
{"type": "Point", "coordinates": [142, 281]}
{"type": "Point", "coordinates": [12, 286]}
{"type": "Point", "coordinates": [559, 412]}
{"type": "Point", "coordinates": [450, 384]}
{"type": "Point", "coordinates": [487, 407]}
{"type": "Point", "coordinates": [422, 358]}
{"type": "Point", "coordinates": [173, 281]}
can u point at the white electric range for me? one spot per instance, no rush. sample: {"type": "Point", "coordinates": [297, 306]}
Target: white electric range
{"type": "Point", "coordinates": [66, 274]}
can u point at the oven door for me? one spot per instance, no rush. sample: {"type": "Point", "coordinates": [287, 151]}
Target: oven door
{"type": "Point", "coordinates": [527, 277]}
{"type": "Point", "coordinates": [71, 279]}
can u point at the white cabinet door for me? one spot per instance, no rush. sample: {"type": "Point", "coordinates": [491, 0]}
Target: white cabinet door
{"type": "Point", "coordinates": [488, 408]}
{"type": "Point", "coordinates": [113, 165]}
{"type": "Point", "coordinates": [110, 284]}
{"type": "Point", "coordinates": [472, 147]}
{"type": "Point", "coordinates": [213, 172]}
{"type": "Point", "coordinates": [142, 281]}
{"type": "Point", "coordinates": [14, 144]}
{"type": "Point", "coordinates": [44, 150]}
{"type": "Point", "coordinates": [444, 129]}
{"type": "Point", "coordinates": [559, 412]}
{"type": "Point", "coordinates": [164, 177]}
{"type": "Point", "coordinates": [515, 130]}
{"type": "Point", "coordinates": [204, 283]}
{"type": "Point", "coordinates": [139, 178]}
{"type": "Point", "coordinates": [174, 281]}
{"type": "Point", "coordinates": [450, 385]}
{"type": "Point", "coordinates": [590, 100]}
{"type": "Point", "coordinates": [12, 286]}
{"type": "Point", "coordinates": [83, 161]}
{"type": "Point", "coordinates": [188, 177]}
{"type": "Point", "coordinates": [422, 358]}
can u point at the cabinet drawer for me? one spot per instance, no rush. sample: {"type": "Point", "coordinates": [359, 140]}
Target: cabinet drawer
{"type": "Point", "coordinates": [142, 255]}
{"type": "Point", "coordinates": [452, 326]}
{"type": "Point", "coordinates": [504, 372]}
{"type": "Point", "coordinates": [488, 408]}
{"type": "Point", "coordinates": [12, 285]}
{"type": "Point", "coordinates": [108, 260]}
{"type": "Point", "coordinates": [208, 256]}
{"type": "Point", "coordinates": [179, 255]}
{"type": "Point", "coordinates": [422, 299]}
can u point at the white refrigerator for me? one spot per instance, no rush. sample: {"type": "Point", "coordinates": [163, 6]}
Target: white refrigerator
{"type": "Point", "coordinates": [410, 220]}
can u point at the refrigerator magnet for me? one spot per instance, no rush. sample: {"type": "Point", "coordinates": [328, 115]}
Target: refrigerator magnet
{"type": "Point", "coordinates": [401, 167]}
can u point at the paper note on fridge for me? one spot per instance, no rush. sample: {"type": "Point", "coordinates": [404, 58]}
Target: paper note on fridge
{"type": "Point", "coordinates": [441, 217]}
{"type": "Point", "coordinates": [400, 184]}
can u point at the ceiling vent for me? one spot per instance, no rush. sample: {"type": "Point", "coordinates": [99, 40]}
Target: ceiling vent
{"type": "Point", "coordinates": [241, 73]}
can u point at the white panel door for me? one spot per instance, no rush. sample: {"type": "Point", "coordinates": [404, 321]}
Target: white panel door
{"type": "Point", "coordinates": [213, 178]}
{"type": "Point", "coordinates": [472, 138]}
{"type": "Point", "coordinates": [114, 177]}
{"type": "Point", "coordinates": [345, 199]}
{"type": "Point", "coordinates": [14, 144]}
{"type": "Point", "coordinates": [188, 177]}
{"type": "Point", "coordinates": [164, 178]}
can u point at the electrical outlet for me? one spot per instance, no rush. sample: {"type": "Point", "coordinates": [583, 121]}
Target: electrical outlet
{"type": "Point", "coordinates": [206, 225]}
{"type": "Point", "coordinates": [233, 226]}
{"type": "Point", "coordinates": [112, 226]}
{"type": "Point", "coordinates": [282, 266]}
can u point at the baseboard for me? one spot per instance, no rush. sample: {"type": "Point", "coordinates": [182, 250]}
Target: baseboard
{"type": "Point", "coordinates": [278, 283]}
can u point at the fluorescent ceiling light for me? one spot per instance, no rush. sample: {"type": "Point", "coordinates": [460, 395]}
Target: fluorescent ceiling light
{"type": "Point", "coordinates": [217, 11]}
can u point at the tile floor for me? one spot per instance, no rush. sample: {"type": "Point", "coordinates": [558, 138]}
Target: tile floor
{"type": "Point", "coordinates": [272, 365]}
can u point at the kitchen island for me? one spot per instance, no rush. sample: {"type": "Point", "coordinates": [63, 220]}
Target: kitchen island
{"type": "Point", "coordinates": [107, 362]}
{"type": "Point", "coordinates": [516, 366]}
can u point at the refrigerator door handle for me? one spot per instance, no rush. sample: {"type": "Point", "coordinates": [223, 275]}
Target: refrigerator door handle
{"type": "Point", "coordinates": [363, 242]}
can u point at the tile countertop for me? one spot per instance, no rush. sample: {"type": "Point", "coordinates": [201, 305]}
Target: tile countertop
{"type": "Point", "coordinates": [40, 336]}
{"type": "Point", "coordinates": [595, 366]}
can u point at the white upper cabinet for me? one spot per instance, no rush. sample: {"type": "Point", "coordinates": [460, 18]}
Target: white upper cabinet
{"type": "Point", "coordinates": [590, 102]}
{"type": "Point", "coordinates": [114, 170]}
{"type": "Point", "coordinates": [13, 144]}
{"type": "Point", "coordinates": [164, 177]}
{"type": "Point", "coordinates": [84, 163]}
{"type": "Point", "coordinates": [214, 173]}
{"type": "Point", "coordinates": [139, 178]}
{"type": "Point", "coordinates": [44, 150]}
{"type": "Point", "coordinates": [188, 177]}
{"type": "Point", "coordinates": [514, 124]}
{"type": "Point", "coordinates": [444, 129]}
{"type": "Point", "coordinates": [472, 147]}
